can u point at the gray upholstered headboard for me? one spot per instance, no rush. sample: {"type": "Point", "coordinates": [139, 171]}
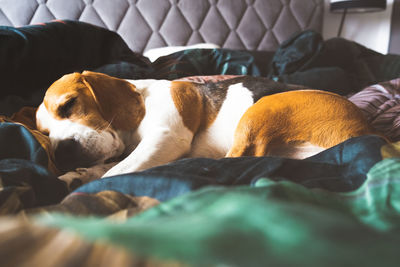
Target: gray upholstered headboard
{"type": "Point", "coordinates": [394, 42]}
{"type": "Point", "coordinates": [143, 24]}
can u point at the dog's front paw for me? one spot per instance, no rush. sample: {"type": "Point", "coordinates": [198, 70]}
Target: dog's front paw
{"type": "Point", "coordinates": [76, 178]}
{"type": "Point", "coordinates": [81, 176]}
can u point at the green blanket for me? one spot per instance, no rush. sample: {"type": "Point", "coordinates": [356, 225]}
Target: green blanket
{"type": "Point", "coordinates": [272, 223]}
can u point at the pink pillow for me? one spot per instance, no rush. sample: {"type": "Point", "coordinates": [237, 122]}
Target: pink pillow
{"type": "Point", "coordinates": [208, 79]}
{"type": "Point", "coordinates": [381, 105]}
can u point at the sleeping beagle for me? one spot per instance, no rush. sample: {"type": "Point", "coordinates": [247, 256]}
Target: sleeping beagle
{"type": "Point", "coordinates": [92, 118]}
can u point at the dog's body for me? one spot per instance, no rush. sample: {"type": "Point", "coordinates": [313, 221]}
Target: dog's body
{"type": "Point", "coordinates": [92, 118]}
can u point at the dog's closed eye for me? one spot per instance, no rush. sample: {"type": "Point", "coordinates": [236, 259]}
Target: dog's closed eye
{"type": "Point", "coordinates": [64, 110]}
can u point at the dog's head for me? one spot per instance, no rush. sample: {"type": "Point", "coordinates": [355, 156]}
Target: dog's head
{"type": "Point", "coordinates": [84, 114]}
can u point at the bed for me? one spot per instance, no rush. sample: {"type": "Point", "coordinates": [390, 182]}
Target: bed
{"type": "Point", "coordinates": [339, 207]}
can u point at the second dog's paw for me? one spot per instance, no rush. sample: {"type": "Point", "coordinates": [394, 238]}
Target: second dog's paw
{"type": "Point", "coordinates": [76, 178]}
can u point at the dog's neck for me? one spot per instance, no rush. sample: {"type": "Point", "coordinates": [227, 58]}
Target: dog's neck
{"type": "Point", "coordinates": [132, 138]}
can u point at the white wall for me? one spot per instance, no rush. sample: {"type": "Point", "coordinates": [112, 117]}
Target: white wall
{"type": "Point", "coordinates": [369, 29]}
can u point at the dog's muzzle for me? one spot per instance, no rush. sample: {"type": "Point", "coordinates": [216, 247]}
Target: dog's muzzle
{"type": "Point", "coordinates": [69, 155]}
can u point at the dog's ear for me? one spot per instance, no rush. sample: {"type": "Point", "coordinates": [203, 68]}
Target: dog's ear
{"type": "Point", "coordinates": [118, 101]}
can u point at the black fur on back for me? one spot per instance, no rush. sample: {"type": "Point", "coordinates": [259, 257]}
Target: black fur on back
{"type": "Point", "coordinates": [216, 92]}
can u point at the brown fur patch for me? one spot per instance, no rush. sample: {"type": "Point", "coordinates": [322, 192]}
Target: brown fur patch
{"type": "Point", "coordinates": [118, 101]}
{"type": "Point", "coordinates": [324, 119]}
{"type": "Point", "coordinates": [84, 109]}
{"type": "Point", "coordinates": [193, 106]}
{"type": "Point", "coordinates": [60, 91]}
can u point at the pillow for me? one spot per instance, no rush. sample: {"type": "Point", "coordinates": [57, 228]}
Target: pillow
{"type": "Point", "coordinates": [380, 103]}
{"type": "Point", "coordinates": [155, 53]}
{"type": "Point", "coordinates": [207, 78]}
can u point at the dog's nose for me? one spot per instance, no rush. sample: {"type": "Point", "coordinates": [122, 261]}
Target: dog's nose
{"type": "Point", "coordinates": [70, 155]}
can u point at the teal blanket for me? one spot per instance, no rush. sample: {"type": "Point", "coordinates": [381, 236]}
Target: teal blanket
{"type": "Point", "coordinates": [268, 224]}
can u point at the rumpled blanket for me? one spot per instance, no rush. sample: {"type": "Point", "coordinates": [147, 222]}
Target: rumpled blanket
{"type": "Point", "coordinates": [277, 223]}
{"type": "Point", "coordinates": [339, 169]}
{"type": "Point", "coordinates": [25, 180]}
{"type": "Point", "coordinates": [34, 56]}
{"type": "Point", "coordinates": [337, 65]}
{"type": "Point", "coordinates": [270, 224]}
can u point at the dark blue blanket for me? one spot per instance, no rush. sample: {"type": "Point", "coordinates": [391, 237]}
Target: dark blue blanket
{"type": "Point", "coordinates": [341, 168]}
